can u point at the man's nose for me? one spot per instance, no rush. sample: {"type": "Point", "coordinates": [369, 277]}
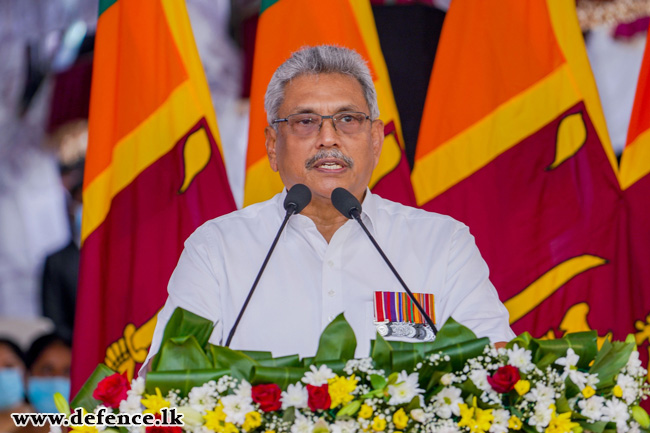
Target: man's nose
{"type": "Point", "coordinates": [328, 134]}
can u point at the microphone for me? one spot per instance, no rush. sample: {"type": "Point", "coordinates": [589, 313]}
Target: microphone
{"type": "Point", "coordinates": [349, 206]}
{"type": "Point", "coordinates": [296, 200]}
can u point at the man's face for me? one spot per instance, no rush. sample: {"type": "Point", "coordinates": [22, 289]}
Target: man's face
{"type": "Point", "coordinates": [293, 156]}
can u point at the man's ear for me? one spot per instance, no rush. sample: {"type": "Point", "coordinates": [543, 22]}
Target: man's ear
{"type": "Point", "coordinates": [271, 137]}
{"type": "Point", "coordinates": [377, 137]}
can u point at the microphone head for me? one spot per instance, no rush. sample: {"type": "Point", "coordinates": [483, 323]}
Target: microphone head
{"type": "Point", "coordinates": [298, 198]}
{"type": "Point", "coordinates": [345, 202]}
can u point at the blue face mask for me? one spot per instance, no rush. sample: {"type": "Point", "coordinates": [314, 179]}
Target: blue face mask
{"type": "Point", "coordinates": [13, 389]}
{"type": "Point", "coordinates": [41, 390]}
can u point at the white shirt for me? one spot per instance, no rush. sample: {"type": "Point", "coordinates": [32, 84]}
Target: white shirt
{"type": "Point", "coordinates": [308, 281]}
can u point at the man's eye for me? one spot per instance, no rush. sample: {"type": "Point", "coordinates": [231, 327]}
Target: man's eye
{"type": "Point", "coordinates": [305, 121]}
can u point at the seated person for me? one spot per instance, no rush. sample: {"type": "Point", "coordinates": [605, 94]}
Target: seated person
{"type": "Point", "coordinates": [48, 367]}
{"type": "Point", "coordinates": [324, 132]}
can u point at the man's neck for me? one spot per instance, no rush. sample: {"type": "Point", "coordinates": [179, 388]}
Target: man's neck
{"type": "Point", "coordinates": [327, 219]}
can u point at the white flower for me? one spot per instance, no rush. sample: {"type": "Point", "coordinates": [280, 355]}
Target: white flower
{"type": "Point", "coordinates": [296, 396]}
{"type": "Point", "coordinates": [479, 377]}
{"type": "Point", "coordinates": [236, 407]}
{"type": "Point", "coordinates": [520, 358]}
{"type": "Point", "coordinates": [404, 389]}
{"type": "Point", "coordinates": [191, 417]}
{"type": "Point", "coordinates": [137, 386]}
{"type": "Point", "coordinates": [447, 379]}
{"type": "Point", "coordinates": [340, 426]}
{"type": "Point", "coordinates": [542, 395]}
{"type": "Point", "coordinates": [55, 429]}
{"type": "Point", "coordinates": [203, 398]}
{"type": "Point", "coordinates": [629, 387]}
{"type": "Point", "coordinates": [446, 402]}
{"type": "Point", "coordinates": [634, 366]}
{"type": "Point", "coordinates": [592, 380]}
{"type": "Point", "coordinates": [318, 377]}
{"type": "Point", "coordinates": [131, 404]}
{"type": "Point", "coordinates": [244, 389]}
{"type": "Point", "coordinates": [447, 426]}
{"type": "Point", "coordinates": [570, 360]}
{"type": "Point", "coordinates": [634, 427]}
{"type": "Point", "coordinates": [136, 429]}
{"type": "Point", "coordinates": [616, 411]}
{"type": "Point", "coordinates": [500, 421]}
{"type": "Point", "coordinates": [418, 415]}
{"type": "Point", "coordinates": [302, 424]}
{"type": "Point", "coordinates": [592, 407]}
{"type": "Point", "coordinates": [578, 377]}
{"type": "Point", "coordinates": [541, 416]}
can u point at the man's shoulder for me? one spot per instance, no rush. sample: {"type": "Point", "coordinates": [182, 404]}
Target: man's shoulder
{"type": "Point", "coordinates": [255, 215]}
{"type": "Point", "coordinates": [392, 211]}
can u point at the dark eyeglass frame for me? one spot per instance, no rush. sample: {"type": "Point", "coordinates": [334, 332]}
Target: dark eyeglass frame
{"type": "Point", "coordinates": [322, 119]}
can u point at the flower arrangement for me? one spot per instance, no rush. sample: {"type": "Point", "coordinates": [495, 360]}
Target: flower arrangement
{"type": "Point", "coordinates": [457, 383]}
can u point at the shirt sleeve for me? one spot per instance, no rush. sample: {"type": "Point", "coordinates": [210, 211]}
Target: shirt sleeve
{"type": "Point", "coordinates": [471, 299]}
{"type": "Point", "coordinates": [193, 286]}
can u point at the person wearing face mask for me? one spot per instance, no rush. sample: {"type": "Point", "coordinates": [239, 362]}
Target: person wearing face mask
{"type": "Point", "coordinates": [48, 368]}
{"type": "Point", "coordinates": [12, 384]}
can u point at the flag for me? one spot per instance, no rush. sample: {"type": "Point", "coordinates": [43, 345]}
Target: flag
{"type": "Point", "coordinates": [284, 27]}
{"type": "Point", "coordinates": [514, 143]}
{"type": "Point", "coordinates": [153, 174]}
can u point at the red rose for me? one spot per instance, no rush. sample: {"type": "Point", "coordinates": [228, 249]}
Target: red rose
{"type": "Point", "coordinates": [112, 390]}
{"type": "Point", "coordinates": [504, 379]}
{"type": "Point", "coordinates": [319, 397]}
{"type": "Point", "coordinates": [268, 396]}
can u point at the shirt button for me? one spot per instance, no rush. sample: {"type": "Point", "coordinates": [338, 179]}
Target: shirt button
{"type": "Point", "coordinates": [331, 293]}
{"type": "Point", "coordinates": [330, 263]}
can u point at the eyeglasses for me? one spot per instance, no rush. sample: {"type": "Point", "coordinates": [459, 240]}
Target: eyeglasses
{"type": "Point", "coordinates": [306, 124]}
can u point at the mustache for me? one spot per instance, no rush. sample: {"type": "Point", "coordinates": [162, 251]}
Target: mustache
{"type": "Point", "coordinates": [324, 154]}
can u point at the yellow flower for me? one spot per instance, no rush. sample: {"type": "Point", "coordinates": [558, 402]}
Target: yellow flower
{"type": "Point", "coordinates": [618, 391]}
{"type": "Point", "coordinates": [340, 389]}
{"type": "Point", "coordinates": [270, 431]}
{"type": "Point", "coordinates": [514, 423]}
{"type": "Point", "coordinates": [84, 429]}
{"type": "Point", "coordinates": [215, 420]}
{"type": "Point", "coordinates": [230, 428]}
{"type": "Point", "coordinates": [252, 421]}
{"type": "Point", "coordinates": [154, 403]}
{"type": "Point", "coordinates": [476, 419]}
{"type": "Point", "coordinates": [378, 424]}
{"type": "Point", "coordinates": [365, 412]}
{"type": "Point", "coordinates": [560, 423]}
{"type": "Point", "coordinates": [400, 419]}
{"type": "Point", "coordinates": [588, 391]}
{"type": "Point", "coordinates": [522, 386]}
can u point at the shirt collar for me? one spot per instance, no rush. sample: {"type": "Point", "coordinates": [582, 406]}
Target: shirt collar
{"type": "Point", "coordinates": [368, 208]}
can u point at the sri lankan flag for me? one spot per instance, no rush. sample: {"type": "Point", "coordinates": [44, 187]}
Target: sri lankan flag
{"type": "Point", "coordinates": [284, 27]}
{"type": "Point", "coordinates": [514, 144]}
{"type": "Point", "coordinates": [153, 174]}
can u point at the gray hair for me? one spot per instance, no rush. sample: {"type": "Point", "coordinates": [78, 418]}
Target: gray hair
{"type": "Point", "coordinates": [322, 59]}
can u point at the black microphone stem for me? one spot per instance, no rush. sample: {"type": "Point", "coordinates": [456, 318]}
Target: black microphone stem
{"type": "Point", "coordinates": [355, 214]}
{"type": "Point", "coordinates": [290, 212]}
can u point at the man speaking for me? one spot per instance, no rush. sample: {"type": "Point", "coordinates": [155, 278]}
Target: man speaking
{"type": "Point", "coordinates": [324, 132]}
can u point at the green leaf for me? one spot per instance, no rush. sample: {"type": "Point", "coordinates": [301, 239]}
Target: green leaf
{"type": "Point", "coordinates": [451, 333]}
{"type": "Point", "coordinates": [524, 340]}
{"type": "Point", "coordinates": [84, 397]}
{"type": "Point", "coordinates": [336, 342]}
{"type": "Point", "coordinates": [183, 323]}
{"type": "Point", "coordinates": [181, 353]}
{"type": "Point", "coordinates": [380, 354]}
{"type": "Point", "coordinates": [377, 381]}
{"type": "Point", "coordinates": [240, 365]}
{"type": "Point", "coordinates": [282, 376]}
{"type": "Point", "coordinates": [349, 409]}
{"type": "Point", "coordinates": [611, 358]}
{"type": "Point", "coordinates": [183, 380]}
{"type": "Point", "coordinates": [283, 361]}
{"type": "Point", "coordinates": [257, 354]}
{"type": "Point", "coordinates": [596, 427]}
{"type": "Point", "coordinates": [584, 344]}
